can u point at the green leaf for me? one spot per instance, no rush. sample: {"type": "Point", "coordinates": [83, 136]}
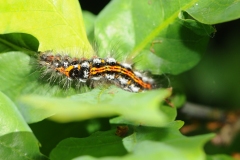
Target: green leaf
{"type": "Point", "coordinates": [18, 42]}
{"type": "Point", "coordinates": [20, 146]}
{"type": "Point", "coordinates": [213, 12]}
{"type": "Point", "coordinates": [17, 139]}
{"type": "Point", "coordinates": [98, 145]}
{"type": "Point", "coordinates": [140, 108]}
{"type": "Point", "coordinates": [145, 26]}
{"type": "Point", "coordinates": [178, 100]}
{"type": "Point", "coordinates": [57, 25]}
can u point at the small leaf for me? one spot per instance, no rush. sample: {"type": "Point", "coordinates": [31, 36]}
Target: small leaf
{"type": "Point", "coordinates": [18, 42]}
{"type": "Point", "coordinates": [178, 100]}
{"type": "Point", "coordinates": [98, 145]}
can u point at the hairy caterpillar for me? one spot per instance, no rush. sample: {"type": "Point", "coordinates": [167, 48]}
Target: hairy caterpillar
{"type": "Point", "coordinates": [82, 70]}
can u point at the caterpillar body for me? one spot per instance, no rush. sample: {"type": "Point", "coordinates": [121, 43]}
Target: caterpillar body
{"type": "Point", "coordinates": [82, 70]}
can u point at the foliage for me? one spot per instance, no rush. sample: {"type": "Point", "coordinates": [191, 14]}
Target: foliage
{"type": "Point", "coordinates": [164, 37]}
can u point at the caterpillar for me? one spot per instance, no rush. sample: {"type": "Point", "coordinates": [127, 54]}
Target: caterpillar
{"type": "Point", "coordinates": [82, 70]}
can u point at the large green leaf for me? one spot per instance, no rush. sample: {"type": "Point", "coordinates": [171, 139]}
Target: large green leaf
{"type": "Point", "coordinates": [57, 25]}
{"type": "Point", "coordinates": [140, 108]}
{"type": "Point", "coordinates": [99, 144]}
{"type": "Point", "coordinates": [135, 25]}
{"type": "Point", "coordinates": [17, 139]}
